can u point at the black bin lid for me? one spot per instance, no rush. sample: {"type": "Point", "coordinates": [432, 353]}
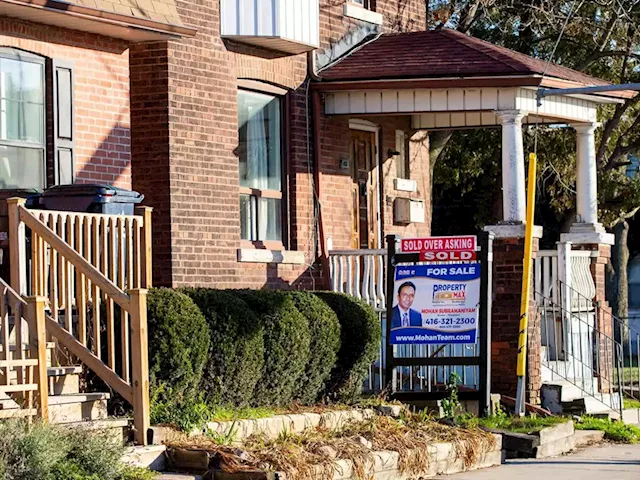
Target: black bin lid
{"type": "Point", "coordinates": [109, 192]}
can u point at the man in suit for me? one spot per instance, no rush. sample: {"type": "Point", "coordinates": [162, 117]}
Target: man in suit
{"type": "Point", "coordinates": [402, 314]}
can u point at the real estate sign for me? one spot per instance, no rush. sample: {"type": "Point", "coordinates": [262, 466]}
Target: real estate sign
{"type": "Point", "coordinates": [435, 304]}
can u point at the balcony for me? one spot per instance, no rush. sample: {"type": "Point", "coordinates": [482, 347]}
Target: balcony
{"type": "Point", "coordinates": [288, 26]}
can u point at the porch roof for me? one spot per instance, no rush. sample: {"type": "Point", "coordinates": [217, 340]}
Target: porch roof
{"type": "Point", "coordinates": [132, 20]}
{"type": "Point", "coordinates": [447, 79]}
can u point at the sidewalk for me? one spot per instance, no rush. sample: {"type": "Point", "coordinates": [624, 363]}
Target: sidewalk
{"type": "Point", "coordinates": [605, 462]}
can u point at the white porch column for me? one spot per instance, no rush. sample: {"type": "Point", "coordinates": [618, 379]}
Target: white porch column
{"type": "Point", "coordinates": [587, 174]}
{"type": "Point", "coordinates": [513, 178]}
{"type": "Point", "coordinates": [587, 229]}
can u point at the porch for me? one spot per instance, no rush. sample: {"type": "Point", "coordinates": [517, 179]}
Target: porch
{"type": "Point", "coordinates": [444, 80]}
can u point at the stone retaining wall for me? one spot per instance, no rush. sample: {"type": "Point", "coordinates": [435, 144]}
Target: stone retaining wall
{"type": "Point", "coordinates": [272, 427]}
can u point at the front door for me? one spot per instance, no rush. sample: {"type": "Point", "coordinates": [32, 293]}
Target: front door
{"type": "Point", "coordinates": [363, 190]}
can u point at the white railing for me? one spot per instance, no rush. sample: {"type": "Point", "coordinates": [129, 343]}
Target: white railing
{"type": "Point", "coordinates": [550, 270]}
{"type": "Point", "coordinates": [361, 274]}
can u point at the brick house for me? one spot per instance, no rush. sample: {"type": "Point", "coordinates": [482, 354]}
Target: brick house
{"type": "Point", "coordinates": [187, 142]}
{"type": "Point", "coordinates": [266, 134]}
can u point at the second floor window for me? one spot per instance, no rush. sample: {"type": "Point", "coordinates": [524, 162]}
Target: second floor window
{"type": "Point", "coordinates": [260, 162]}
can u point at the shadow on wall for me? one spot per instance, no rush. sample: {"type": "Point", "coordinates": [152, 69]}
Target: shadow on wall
{"type": "Point", "coordinates": [309, 279]}
{"type": "Point", "coordinates": [110, 162]}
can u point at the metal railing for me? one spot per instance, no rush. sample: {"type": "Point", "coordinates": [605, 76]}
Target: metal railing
{"type": "Point", "coordinates": [362, 274]}
{"type": "Point", "coordinates": [579, 345]}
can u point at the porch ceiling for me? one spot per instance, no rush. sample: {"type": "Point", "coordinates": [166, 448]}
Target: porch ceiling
{"type": "Point", "coordinates": [461, 107]}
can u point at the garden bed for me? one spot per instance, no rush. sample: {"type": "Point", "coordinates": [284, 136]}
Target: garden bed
{"type": "Point", "coordinates": [412, 446]}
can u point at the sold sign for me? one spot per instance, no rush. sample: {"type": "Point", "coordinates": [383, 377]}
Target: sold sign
{"type": "Point", "coordinates": [441, 249]}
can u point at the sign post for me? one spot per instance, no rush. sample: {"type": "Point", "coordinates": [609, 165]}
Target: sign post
{"type": "Point", "coordinates": [438, 293]}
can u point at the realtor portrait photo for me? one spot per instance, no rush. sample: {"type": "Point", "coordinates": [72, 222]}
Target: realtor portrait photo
{"type": "Point", "coordinates": [402, 314]}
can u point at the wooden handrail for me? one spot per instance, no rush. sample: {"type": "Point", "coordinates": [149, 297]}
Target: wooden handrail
{"type": "Point", "coordinates": [79, 262]}
{"type": "Point", "coordinates": [90, 360]}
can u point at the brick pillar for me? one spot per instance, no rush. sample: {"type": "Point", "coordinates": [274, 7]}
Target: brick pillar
{"type": "Point", "coordinates": [508, 255]}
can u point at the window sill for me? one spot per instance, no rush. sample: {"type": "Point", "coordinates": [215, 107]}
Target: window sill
{"type": "Point", "coordinates": [360, 13]}
{"type": "Point", "coordinates": [257, 255]}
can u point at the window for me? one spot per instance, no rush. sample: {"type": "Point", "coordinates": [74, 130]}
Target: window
{"type": "Point", "coordinates": [22, 120]}
{"type": "Point", "coordinates": [260, 162]}
{"type": "Point", "coordinates": [365, 3]}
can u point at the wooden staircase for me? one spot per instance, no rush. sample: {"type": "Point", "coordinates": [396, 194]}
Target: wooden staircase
{"type": "Point", "coordinates": [76, 301]}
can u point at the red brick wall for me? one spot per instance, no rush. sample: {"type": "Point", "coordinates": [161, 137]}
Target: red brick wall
{"type": "Point", "coordinates": [505, 322]}
{"type": "Point", "coordinates": [336, 183]}
{"type": "Point", "coordinates": [193, 184]}
{"type": "Point", "coordinates": [101, 94]}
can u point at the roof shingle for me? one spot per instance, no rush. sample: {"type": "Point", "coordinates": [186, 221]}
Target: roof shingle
{"type": "Point", "coordinates": [442, 53]}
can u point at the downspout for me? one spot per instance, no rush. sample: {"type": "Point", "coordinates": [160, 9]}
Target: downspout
{"type": "Point", "coordinates": [316, 108]}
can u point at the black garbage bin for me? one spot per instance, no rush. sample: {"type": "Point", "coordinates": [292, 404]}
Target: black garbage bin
{"type": "Point", "coordinates": [90, 198]}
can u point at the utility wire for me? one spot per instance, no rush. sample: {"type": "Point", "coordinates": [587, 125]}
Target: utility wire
{"type": "Point", "coordinates": [544, 73]}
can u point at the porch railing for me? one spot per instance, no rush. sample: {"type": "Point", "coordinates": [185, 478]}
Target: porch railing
{"type": "Point", "coordinates": [92, 272]}
{"type": "Point", "coordinates": [360, 273]}
{"type": "Point", "coordinates": [580, 346]}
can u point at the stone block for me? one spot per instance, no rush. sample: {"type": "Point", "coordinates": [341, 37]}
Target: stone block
{"type": "Point", "coordinates": [385, 460]}
{"type": "Point", "coordinates": [258, 475]}
{"type": "Point", "coordinates": [343, 470]}
{"type": "Point", "coordinates": [631, 416]}
{"type": "Point", "coordinates": [152, 457]}
{"type": "Point", "coordinates": [555, 448]}
{"type": "Point", "coordinates": [551, 434]}
{"type": "Point", "coordinates": [390, 410]}
{"type": "Point", "coordinates": [186, 460]}
{"type": "Point", "coordinates": [444, 451]}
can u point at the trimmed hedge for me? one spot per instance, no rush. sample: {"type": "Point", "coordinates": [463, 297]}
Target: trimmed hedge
{"type": "Point", "coordinates": [324, 330]}
{"type": "Point", "coordinates": [236, 356]}
{"type": "Point", "coordinates": [286, 345]}
{"type": "Point", "coordinates": [178, 341]}
{"type": "Point", "coordinates": [360, 341]}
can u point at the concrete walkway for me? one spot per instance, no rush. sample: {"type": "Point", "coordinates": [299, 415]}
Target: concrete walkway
{"type": "Point", "coordinates": [604, 462]}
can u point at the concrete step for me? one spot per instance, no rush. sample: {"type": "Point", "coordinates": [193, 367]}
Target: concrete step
{"type": "Point", "coordinates": [563, 397]}
{"type": "Point", "coordinates": [64, 380]}
{"type": "Point", "coordinates": [152, 457]}
{"type": "Point", "coordinates": [68, 408]}
{"type": "Point", "coordinates": [120, 428]}
{"type": "Point", "coordinates": [585, 438]}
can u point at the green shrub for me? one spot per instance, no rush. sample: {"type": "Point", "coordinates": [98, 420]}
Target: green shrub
{"type": "Point", "coordinates": [360, 335]}
{"type": "Point", "coordinates": [236, 356]}
{"type": "Point", "coordinates": [286, 345]}
{"type": "Point", "coordinates": [178, 341]}
{"type": "Point", "coordinates": [324, 330]}
{"type": "Point", "coordinates": [183, 412]}
{"type": "Point", "coordinates": [51, 452]}
{"type": "Point", "coordinates": [613, 430]}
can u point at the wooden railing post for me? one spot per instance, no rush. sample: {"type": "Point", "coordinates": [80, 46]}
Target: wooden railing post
{"type": "Point", "coordinates": [145, 250]}
{"type": "Point", "coordinates": [17, 247]}
{"type": "Point", "coordinates": [140, 364]}
{"type": "Point", "coordinates": [36, 314]}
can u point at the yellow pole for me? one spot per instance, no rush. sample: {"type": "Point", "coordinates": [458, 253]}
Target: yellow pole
{"type": "Point", "coordinates": [526, 286]}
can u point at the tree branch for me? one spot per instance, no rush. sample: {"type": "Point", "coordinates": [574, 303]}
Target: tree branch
{"type": "Point", "coordinates": [595, 56]}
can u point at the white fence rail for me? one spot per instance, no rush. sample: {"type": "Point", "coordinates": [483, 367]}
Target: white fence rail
{"type": "Point", "coordinates": [361, 274]}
